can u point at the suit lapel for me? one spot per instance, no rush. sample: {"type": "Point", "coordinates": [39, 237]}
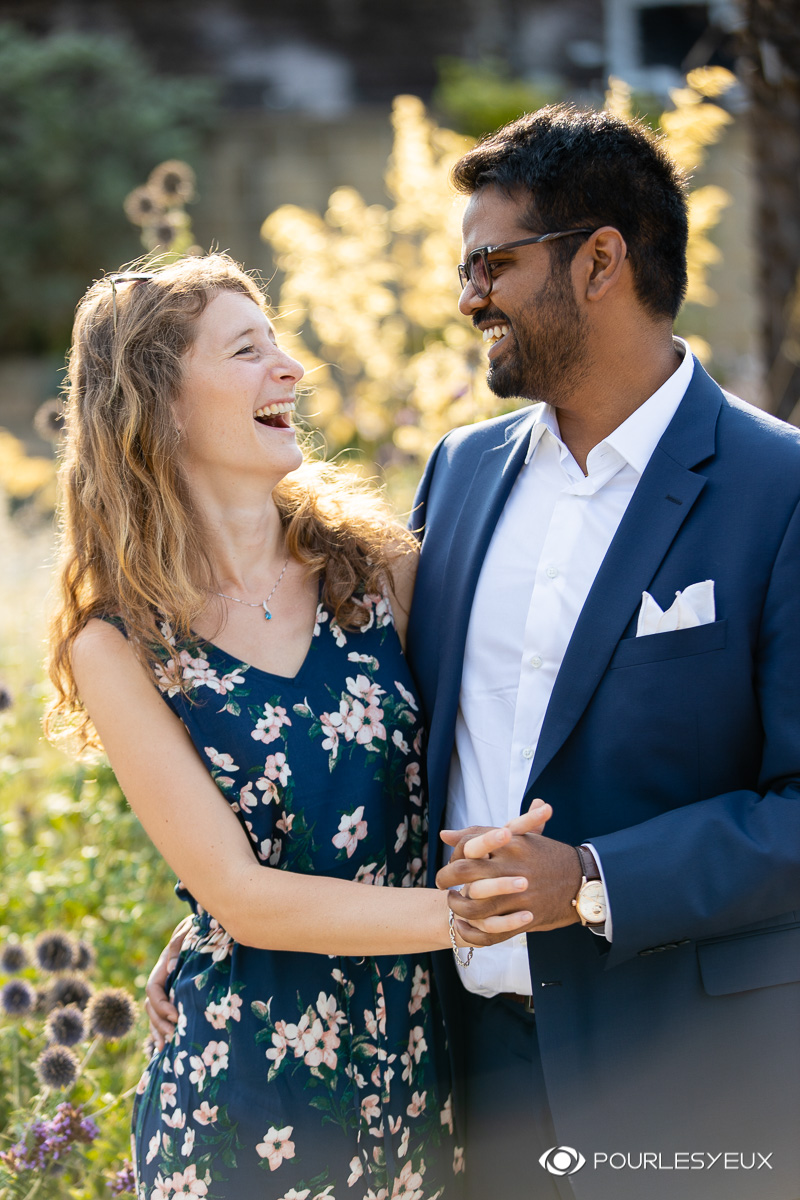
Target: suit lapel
{"type": "Point", "coordinates": [483, 503]}
{"type": "Point", "coordinates": [661, 503]}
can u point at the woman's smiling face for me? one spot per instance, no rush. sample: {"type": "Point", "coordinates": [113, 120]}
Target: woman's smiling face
{"type": "Point", "coordinates": [237, 393]}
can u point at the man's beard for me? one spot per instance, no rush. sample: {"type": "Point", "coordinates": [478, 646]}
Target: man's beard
{"type": "Point", "coordinates": [548, 358]}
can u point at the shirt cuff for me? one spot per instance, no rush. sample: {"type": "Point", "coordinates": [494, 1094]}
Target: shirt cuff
{"type": "Point", "coordinates": [605, 930]}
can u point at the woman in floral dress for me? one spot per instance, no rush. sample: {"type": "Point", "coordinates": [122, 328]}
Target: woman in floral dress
{"type": "Point", "coordinates": [230, 630]}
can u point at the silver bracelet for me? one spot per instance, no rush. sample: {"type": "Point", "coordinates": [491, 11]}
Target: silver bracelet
{"type": "Point", "coordinates": [462, 962]}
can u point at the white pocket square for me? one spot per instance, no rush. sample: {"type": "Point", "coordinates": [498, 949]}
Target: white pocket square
{"type": "Point", "coordinates": [693, 606]}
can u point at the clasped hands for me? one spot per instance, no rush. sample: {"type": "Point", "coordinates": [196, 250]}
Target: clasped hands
{"type": "Point", "coordinates": [512, 879]}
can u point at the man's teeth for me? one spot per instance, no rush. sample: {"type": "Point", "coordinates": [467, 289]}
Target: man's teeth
{"type": "Point", "coordinates": [494, 332]}
{"type": "Point", "coordinates": [273, 410]}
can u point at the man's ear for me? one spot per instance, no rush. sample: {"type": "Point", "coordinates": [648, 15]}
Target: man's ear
{"type": "Point", "coordinates": [604, 256]}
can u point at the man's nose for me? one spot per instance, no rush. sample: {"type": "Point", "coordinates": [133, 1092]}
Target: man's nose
{"type": "Point", "coordinates": [469, 300]}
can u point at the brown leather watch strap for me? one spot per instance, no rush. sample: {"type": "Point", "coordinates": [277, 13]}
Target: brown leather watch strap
{"type": "Point", "coordinates": [588, 863]}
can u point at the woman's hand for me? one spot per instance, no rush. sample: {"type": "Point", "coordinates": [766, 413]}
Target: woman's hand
{"type": "Point", "coordinates": [160, 1010]}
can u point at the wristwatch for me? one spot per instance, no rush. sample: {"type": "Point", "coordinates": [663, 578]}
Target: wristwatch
{"type": "Point", "coordinates": [590, 903]}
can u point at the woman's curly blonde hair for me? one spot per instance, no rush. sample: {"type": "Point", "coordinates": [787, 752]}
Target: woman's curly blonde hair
{"type": "Point", "coordinates": [132, 545]}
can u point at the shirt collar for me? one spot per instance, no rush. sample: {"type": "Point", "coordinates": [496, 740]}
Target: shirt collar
{"type": "Point", "coordinates": [637, 437]}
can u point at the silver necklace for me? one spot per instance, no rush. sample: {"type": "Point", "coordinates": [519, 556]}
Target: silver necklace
{"type": "Point", "coordinates": [262, 603]}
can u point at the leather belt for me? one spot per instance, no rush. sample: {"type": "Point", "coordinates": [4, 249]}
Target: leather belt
{"type": "Point", "coordinates": [525, 1001]}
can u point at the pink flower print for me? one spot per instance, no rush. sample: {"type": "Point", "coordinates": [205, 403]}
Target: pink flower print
{"type": "Point", "coordinates": [276, 767]}
{"type": "Point", "coordinates": [198, 670]}
{"type": "Point", "coordinates": [224, 761]}
{"type": "Point", "coordinates": [176, 1120]}
{"type": "Point", "coordinates": [324, 1047]}
{"type": "Point", "coordinates": [331, 739]}
{"type": "Point", "coordinates": [161, 1188]}
{"type": "Point", "coordinates": [183, 1021]}
{"type": "Point", "coordinates": [215, 1016]}
{"type": "Point", "coordinates": [268, 788]}
{"type": "Point", "coordinates": [413, 779]}
{"type": "Point", "coordinates": [206, 1114]}
{"type": "Point", "coordinates": [187, 1184]}
{"type": "Point", "coordinates": [168, 677]}
{"type": "Point", "coordinates": [247, 801]}
{"type": "Point", "coordinates": [280, 1044]}
{"type": "Point", "coordinates": [217, 942]}
{"type": "Point", "coordinates": [364, 690]}
{"type": "Point", "coordinates": [402, 834]}
{"type": "Point", "coordinates": [198, 1075]}
{"type": "Point", "coordinates": [276, 1146]}
{"type": "Point", "coordinates": [285, 822]}
{"type": "Point", "coordinates": [292, 1194]}
{"type": "Point", "coordinates": [329, 1010]}
{"type": "Point", "coordinates": [351, 830]}
{"type": "Point", "coordinates": [371, 1022]}
{"type": "Point", "coordinates": [356, 1171]}
{"type": "Point", "coordinates": [400, 742]}
{"type": "Point", "coordinates": [371, 726]}
{"type": "Point", "coordinates": [320, 620]}
{"type": "Point", "coordinates": [380, 1008]}
{"type": "Point", "coordinates": [394, 1124]}
{"type": "Point", "coordinates": [153, 1147]}
{"type": "Point", "coordinates": [406, 694]}
{"type": "Point", "coordinates": [299, 1036]}
{"type": "Point", "coordinates": [141, 1086]}
{"type": "Point", "coordinates": [408, 1184]}
{"type": "Point", "coordinates": [215, 1056]}
{"type": "Point", "coordinates": [458, 1160]}
{"type": "Point", "coordinates": [417, 1104]}
{"type": "Point", "coordinates": [446, 1115]}
{"type": "Point", "coordinates": [402, 1149]}
{"type": "Point", "coordinates": [368, 659]}
{"type": "Point", "coordinates": [341, 640]}
{"type": "Point", "coordinates": [269, 726]}
{"type": "Point", "coordinates": [188, 1143]}
{"type": "Point", "coordinates": [229, 681]}
{"type": "Point", "coordinates": [168, 1093]}
{"type": "Point", "coordinates": [178, 1063]}
{"type": "Point", "coordinates": [420, 988]}
{"type": "Point", "coordinates": [368, 874]}
{"type": "Point", "coordinates": [416, 1043]}
{"type": "Point", "coordinates": [370, 1108]}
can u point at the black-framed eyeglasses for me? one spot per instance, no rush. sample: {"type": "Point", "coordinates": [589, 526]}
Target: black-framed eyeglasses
{"type": "Point", "coordinates": [125, 277]}
{"type": "Point", "coordinates": [477, 270]}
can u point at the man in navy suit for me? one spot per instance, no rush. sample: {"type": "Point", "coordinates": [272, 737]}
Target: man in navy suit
{"type": "Point", "coordinates": [607, 616]}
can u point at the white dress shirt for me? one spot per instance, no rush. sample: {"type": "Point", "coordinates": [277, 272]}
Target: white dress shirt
{"type": "Point", "coordinates": [552, 536]}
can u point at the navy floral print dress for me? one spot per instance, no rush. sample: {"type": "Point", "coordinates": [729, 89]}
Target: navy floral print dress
{"type": "Point", "coordinates": [297, 1076]}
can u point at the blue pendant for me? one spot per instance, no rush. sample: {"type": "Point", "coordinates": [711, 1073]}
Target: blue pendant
{"type": "Point", "coordinates": [267, 613]}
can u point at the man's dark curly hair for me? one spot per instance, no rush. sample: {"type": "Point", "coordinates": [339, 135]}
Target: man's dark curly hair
{"type": "Point", "coordinates": [584, 169]}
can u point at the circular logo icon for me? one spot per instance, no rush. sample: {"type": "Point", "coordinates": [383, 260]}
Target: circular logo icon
{"type": "Point", "coordinates": [562, 1160]}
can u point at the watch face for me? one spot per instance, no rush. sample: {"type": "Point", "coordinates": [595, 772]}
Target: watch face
{"type": "Point", "coordinates": [591, 902]}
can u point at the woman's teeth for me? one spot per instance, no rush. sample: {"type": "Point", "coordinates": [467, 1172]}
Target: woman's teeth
{"type": "Point", "coordinates": [494, 333]}
{"type": "Point", "coordinates": [273, 414]}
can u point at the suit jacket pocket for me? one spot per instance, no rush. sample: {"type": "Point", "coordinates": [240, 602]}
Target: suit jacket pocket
{"type": "Point", "coordinates": [747, 961]}
{"type": "Point", "coordinates": [677, 643]}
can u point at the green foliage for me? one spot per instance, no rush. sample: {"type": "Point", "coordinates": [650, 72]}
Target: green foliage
{"type": "Point", "coordinates": [76, 859]}
{"type": "Point", "coordinates": [82, 120]}
{"type": "Point", "coordinates": [479, 97]}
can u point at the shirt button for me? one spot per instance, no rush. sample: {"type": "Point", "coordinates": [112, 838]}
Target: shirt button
{"type": "Point", "coordinates": [551, 572]}
{"type": "Point", "coordinates": [521, 940]}
{"type": "Point", "coordinates": [536, 661]}
{"type": "Point", "coordinates": [527, 752]}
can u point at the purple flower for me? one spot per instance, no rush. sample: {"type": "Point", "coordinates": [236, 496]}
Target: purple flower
{"type": "Point", "coordinates": [66, 1026]}
{"type": "Point", "coordinates": [124, 1181]}
{"type": "Point", "coordinates": [55, 951]}
{"type": "Point", "coordinates": [17, 997]}
{"type": "Point", "coordinates": [13, 958]}
{"type": "Point", "coordinates": [111, 1013]}
{"type": "Point", "coordinates": [57, 1067]}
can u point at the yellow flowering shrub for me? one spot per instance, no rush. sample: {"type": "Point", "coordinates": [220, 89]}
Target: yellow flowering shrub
{"type": "Point", "coordinates": [369, 292]}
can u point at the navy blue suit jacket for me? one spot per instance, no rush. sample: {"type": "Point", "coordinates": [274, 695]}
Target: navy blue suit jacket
{"type": "Point", "coordinates": [678, 756]}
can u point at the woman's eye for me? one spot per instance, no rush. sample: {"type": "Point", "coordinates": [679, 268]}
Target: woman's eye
{"type": "Point", "coordinates": [245, 350]}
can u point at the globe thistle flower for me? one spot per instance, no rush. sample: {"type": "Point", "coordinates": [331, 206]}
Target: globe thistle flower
{"type": "Point", "coordinates": [69, 989]}
{"type": "Point", "coordinates": [48, 420]}
{"type": "Point", "coordinates": [13, 958]}
{"type": "Point", "coordinates": [142, 206]}
{"type": "Point", "coordinates": [55, 951]}
{"type": "Point", "coordinates": [172, 183]}
{"type": "Point", "coordinates": [111, 1014]}
{"type": "Point", "coordinates": [163, 232]}
{"type": "Point", "coordinates": [6, 698]}
{"type": "Point", "coordinates": [85, 957]}
{"type": "Point", "coordinates": [57, 1067]}
{"type": "Point", "coordinates": [17, 998]}
{"type": "Point", "coordinates": [66, 1026]}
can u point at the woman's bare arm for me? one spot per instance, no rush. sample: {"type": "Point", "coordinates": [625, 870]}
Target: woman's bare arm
{"type": "Point", "coordinates": [191, 824]}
